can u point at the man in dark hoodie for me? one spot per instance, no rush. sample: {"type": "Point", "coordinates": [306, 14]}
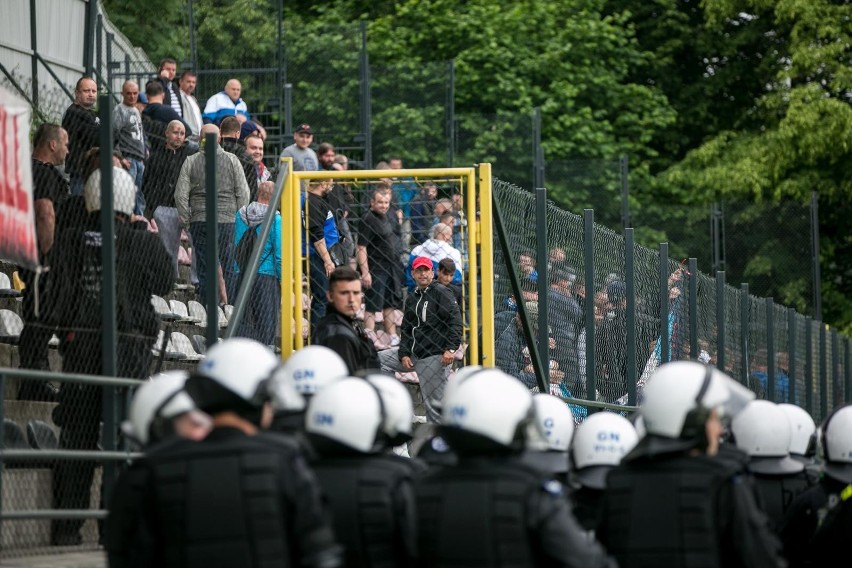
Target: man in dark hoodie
{"type": "Point", "coordinates": [230, 131]}
{"type": "Point", "coordinates": [339, 330]}
{"type": "Point", "coordinates": [159, 183]}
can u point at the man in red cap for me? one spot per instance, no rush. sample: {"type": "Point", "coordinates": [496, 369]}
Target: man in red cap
{"type": "Point", "coordinates": [431, 334]}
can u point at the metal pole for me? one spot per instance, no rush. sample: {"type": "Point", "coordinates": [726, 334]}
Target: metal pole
{"type": "Point", "coordinates": [625, 191]}
{"type": "Point", "coordinates": [847, 367]}
{"type": "Point", "coordinates": [744, 329]}
{"type": "Point", "coordinates": [665, 348]}
{"type": "Point", "coordinates": [809, 367]}
{"type": "Point", "coordinates": [280, 74]}
{"type": "Point", "coordinates": [589, 304]}
{"type": "Point", "coordinates": [3, 445]}
{"type": "Point", "coordinates": [109, 39]}
{"type": "Point", "coordinates": [99, 49]}
{"type": "Point", "coordinates": [451, 114]}
{"type": "Point", "coordinates": [89, 38]}
{"type": "Point", "coordinates": [366, 109]}
{"type": "Point", "coordinates": [770, 350]}
{"type": "Point", "coordinates": [823, 372]}
{"type": "Point", "coordinates": [721, 337]}
{"type": "Point", "coordinates": [526, 326]}
{"type": "Point", "coordinates": [835, 370]}
{"type": "Point", "coordinates": [34, 47]}
{"type": "Point", "coordinates": [792, 360]}
{"type": "Point", "coordinates": [108, 287]}
{"type": "Point", "coordinates": [538, 152]}
{"type": "Point", "coordinates": [630, 293]}
{"type": "Point", "coordinates": [288, 114]}
{"type": "Point", "coordinates": [193, 62]}
{"type": "Point", "coordinates": [211, 144]}
{"type": "Point", "coordinates": [693, 308]}
{"type": "Point", "coordinates": [543, 276]}
{"type": "Point", "coordinates": [815, 264]}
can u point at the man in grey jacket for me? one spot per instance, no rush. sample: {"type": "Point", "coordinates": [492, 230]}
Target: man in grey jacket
{"type": "Point", "coordinates": [232, 194]}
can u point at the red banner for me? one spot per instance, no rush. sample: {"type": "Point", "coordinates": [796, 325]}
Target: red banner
{"type": "Point", "coordinates": [17, 220]}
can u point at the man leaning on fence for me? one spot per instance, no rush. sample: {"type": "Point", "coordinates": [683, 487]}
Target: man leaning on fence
{"type": "Point", "coordinates": [74, 295]}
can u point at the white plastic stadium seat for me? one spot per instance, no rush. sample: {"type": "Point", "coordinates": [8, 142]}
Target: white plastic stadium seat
{"type": "Point", "coordinates": [180, 309]}
{"type": "Point", "coordinates": [11, 326]}
{"type": "Point", "coordinates": [162, 308]}
{"type": "Point", "coordinates": [6, 289]}
{"type": "Point", "coordinates": [182, 344]}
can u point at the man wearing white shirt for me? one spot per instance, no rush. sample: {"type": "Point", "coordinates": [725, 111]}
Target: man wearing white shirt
{"type": "Point", "coordinates": [191, 110]}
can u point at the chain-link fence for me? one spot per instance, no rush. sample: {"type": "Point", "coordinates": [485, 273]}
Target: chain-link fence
{"type": "Point", "coordinates": [764, 345]}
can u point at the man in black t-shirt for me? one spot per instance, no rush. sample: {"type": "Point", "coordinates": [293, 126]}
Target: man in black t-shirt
{"type": "Point", "coordinates": [83, 127]}
{"type": "Point", "coordinates": [320, 243]}
{"type": "Point", "coordinates": [50, 147]}
{"type": "Point", "coordinates": [378, 259]}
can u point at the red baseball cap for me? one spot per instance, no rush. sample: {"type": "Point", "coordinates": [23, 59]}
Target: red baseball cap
{"type": "Point", "coordinates": [422, 261]}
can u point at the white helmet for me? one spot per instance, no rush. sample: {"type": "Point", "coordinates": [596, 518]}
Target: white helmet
{"type": "Point", "coordinates": [762, 430]}
{"type": "Point", "coordinates": [639, 426]}
{"type": "Point", "coordinates": [350, 412]}
{"type": "Point", "coordinates": [802, 429]}
{"type": "Point", "coordinates": [123, 192]}
{"type": "Point", "coordinates": [837, 444]}
{"type": "Point", "coordinates": [311, 368]}
{"type": "Point", "coordinates": [235, 372]}
{"type": "Point", "coordinates": [491, 405]}
{"type": "Point", "coordinates": [398, 408]}
{"type": "Point", "coordinates": [680, 396]}
{"type": "Point", "coordinates": [456, 379]}
{"type": "Point", "coordinates": [555, 421]}
{"type": "Point", "coordinates": [161, 397]}
{"type": "Point", "coordinates": [600, 442]}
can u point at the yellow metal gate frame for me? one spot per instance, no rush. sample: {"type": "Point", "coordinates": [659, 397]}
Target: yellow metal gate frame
{"type": "Point", "coordinates": [480, 269]}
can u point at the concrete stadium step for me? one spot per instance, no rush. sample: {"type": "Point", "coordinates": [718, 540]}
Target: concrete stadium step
{"type": "Point", "coordinates": [72, 558]}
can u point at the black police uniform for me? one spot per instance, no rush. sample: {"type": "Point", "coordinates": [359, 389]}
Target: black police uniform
{"type": "Point", "coordinates": [664, 507]}
{"type": "Point", "coordinates": [803, 518]}
{"type": "Point", "coordinates": [778, 481]}
{"type": "Point", "coordinates": [497, 511]}
{"type": "Point", "coordinates": [831, 541]}
{"type": "Point", "coordinates": [372, 503]}
{"type": "Point", "coordinates": [231, 500]}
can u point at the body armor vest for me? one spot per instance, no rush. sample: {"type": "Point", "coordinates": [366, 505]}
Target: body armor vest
{"type": "Point", "coordinates": [222, 506]}
{"type": "Point", "coordinates": [361, 493]}
{"type": "Point", "coordinates": [475, 515]}
{"type": "Point", "coordinates": [775, 493]}
{"type": "Point", "coordinates": [661, 512]}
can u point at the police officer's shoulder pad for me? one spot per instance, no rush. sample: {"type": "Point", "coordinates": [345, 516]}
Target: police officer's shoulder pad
{"type": "Point", "coordinates": [552, 487]}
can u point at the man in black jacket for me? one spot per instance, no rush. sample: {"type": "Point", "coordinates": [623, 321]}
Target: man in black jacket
{"type": "Point", "coordinates": [339, 330]}
{"type": "Point", "coordinates": [431, 334]}
{"type": "Point", "coordinates": [83, 126]}
{"type": "Point", "coordinates": [230, 131]}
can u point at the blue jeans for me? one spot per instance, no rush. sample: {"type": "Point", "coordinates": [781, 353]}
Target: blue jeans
{"type": "Point", "coordinates": [260, 320]}
{"type": "Point", "coordinates": [198, 232]}
{"type": "Point", "coordinates": [136, 171]}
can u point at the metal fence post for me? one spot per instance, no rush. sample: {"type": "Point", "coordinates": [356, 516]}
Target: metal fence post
{"type": "Point", "coordinates": [89, 37]}
{"type": "Point", "coordinates": [836, 383]}
{"type": "Point", "coordinates": [744, 327]}
{"type": "Point", "coordinates": [823, 371]}
{"type": "Point", "coordinates": [625, 191]}
{"type": "Point", "coordinates": [99, 39]}
{"type": "Point", "coordinates": [792, 359]}
{"type": "Point", "coordinates": [693, 308]}
{"type": "Point", "coordinates": [665, 351]}
{"type": "Point", "coordinates": [815, 264]}
{"type": "Point", "coordinates": [630, 292]}
{"type": "Point", "coordinates": [451, 114]}
{"type": "Point", "coordinates": [366, 108]}
{"type": "Point", "coordinates": [34, 47]}
{"type": "Point", "coordinates": [809, 367]}
{"type": "Point", "coordinates": [770, 350]}
{"type": "Point", "coordinates": [721, 337]}
{"type": "Point", "coordinates": [847, 367]}
{"type": "Point", "coordinates": [543, 276]}
{"type": "Point", "coordinates": [108, 287]}
{"type": "Point", "coordinates": [589, 254]}
{"type": "Point", "coordinates": [212, 227]}
{"type": "Point", "coordinates": [538, 151]}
